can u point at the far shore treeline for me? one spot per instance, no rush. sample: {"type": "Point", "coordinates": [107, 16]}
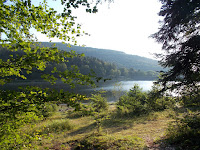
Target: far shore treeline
{"type": "Point", "coordinates": [87, 65]}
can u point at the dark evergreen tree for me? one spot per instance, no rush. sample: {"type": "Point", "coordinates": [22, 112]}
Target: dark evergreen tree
{"type": "Point", "coordinates": [180, 36]}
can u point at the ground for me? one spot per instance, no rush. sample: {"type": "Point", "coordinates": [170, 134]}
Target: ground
{"type": "Point", "coordinates": [138, 132]}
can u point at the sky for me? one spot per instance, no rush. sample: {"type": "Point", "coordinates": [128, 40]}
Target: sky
{"type": "Point", "coordinates": [124, 25]}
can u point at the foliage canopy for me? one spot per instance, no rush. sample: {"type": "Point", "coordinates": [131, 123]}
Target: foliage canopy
{"type": "Point", "coordinates": [18, 19]}
{"type": "Point", "coordinates": [179, 34]}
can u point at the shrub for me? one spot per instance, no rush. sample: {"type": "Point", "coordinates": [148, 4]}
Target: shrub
{"type": "Point", "coordinates": [17, 111]}
{"type": "Point", "coordinates": [131, 105]}
{"type": "Point", "coordinates": [135, 102]}
{"type": "Point", "coordinates": [23, 109]}
{"type": "Point", "coordinates": [99, 109]}
{"type": "Point", "coordinates": [11, 136]}
{"type": "Point", "coordinates": [157, 101]}
{"type": "Point", "coordinates": [185, 132]}
{"type": "Point", "coordinates": [191, 100]}
{"type": "Point", "coordinates": [160, 103]}
{"type": "Point", "coordinates": [47, 109]}
{"type": "Point", "coordinates": [99, 103]}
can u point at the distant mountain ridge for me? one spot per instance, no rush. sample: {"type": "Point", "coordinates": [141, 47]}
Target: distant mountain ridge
{"type": "Point", "coordinates": [121, 59]}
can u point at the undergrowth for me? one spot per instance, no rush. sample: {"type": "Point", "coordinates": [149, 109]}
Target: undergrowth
{"type": "Point", "coordinates": [104, 141]}
{"type": "Point", "coordinates": [184, 133]}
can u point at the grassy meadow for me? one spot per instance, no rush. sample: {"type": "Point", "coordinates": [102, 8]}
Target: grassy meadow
{"type": "Point", "coordinates": [70, 130]}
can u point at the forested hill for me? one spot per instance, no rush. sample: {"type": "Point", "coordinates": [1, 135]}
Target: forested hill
{"type": "Point", "coordinates": [121, 59]}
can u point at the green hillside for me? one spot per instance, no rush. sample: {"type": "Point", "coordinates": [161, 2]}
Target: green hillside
{"type": "Point", "coordinates": [100, 67]}
{"type": "Point", "coordinates": [121, 59]}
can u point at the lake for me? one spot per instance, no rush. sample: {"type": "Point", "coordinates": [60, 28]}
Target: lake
{"type": "Point", "coordinates": [126, 85]}
{"type": "Point", "coordinates": [121, 87]}
{"type": "Point", "coordinates": [109, 86]}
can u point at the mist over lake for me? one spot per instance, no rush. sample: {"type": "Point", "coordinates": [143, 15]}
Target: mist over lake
{"type": "Point", "coordinates": [121, 87]}
{"type": "Point", "coordinates": [127, 85]}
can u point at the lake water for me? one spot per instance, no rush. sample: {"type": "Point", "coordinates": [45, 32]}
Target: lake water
{"type": "Point", "coordinates": [122, 87]}
{"type": "Point", "coordinates": [127, 85]}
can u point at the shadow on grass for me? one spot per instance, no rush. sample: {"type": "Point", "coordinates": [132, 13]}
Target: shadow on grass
{"type": "Point", "coordinates": [101, 141]}
{"type": "Point", "coordinates": [125, 122]}
{"type": "Point", "coordinates": [76, 114]}
{"type": "Point", "coordinates": [117, 124]}
{"type": "Point", "coordinates": [85, 129]}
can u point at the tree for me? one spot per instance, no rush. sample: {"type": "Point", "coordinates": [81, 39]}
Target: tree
{"type": "Point", "coordinates": [18, 18]}
{"type": "Point", "coordinates": [179, 34]}
{"type": "Point", "coordinates": [124, 72]}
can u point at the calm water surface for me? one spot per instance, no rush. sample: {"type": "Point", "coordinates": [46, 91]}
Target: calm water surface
{"type": "Point", "coordinates": [123, 87]}
{"type": "Point", "coordinates": [127, 85]}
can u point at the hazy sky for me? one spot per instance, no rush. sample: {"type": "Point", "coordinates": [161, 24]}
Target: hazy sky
{"type": "Point", "coordinates": [124, 25]}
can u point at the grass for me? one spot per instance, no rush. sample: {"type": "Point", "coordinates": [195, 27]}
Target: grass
{"type": "Point", "coordinates": [72, 131]}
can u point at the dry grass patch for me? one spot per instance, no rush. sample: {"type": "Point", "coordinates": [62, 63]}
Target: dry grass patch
{"type": "Point", "coordinates": [118, 132]}
{"type": "Point", "coordinates": [68, 129]}
{"type": "Point", "coordinates": [149, 127]}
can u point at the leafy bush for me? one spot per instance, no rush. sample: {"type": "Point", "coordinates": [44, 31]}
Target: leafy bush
{"type": "Point", "coordinates": [161, 103]}
{"type": "Point", "coordinates": [47, 109]}
{"type": "Point", "coordinates": [157, 101]}
{"type": "Point", "coordinates": [131, 105]}
{"type": "Point", "coordinates": [191, 100]}
{"type": "Point", "coordinates": [135, 102]}
{"type": "Point", "coordinates": [17, 110]}
{"type": "Point", "coordinates": [185, 132]}
{"type": "Point", "coordinates": [22, 109]}
{"type": "Point", "coordinates": [99, 109]}
{"type": "Point", "coordinates": [11, 137]}
{"type": "Point", "coordinates": [98, 103]}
